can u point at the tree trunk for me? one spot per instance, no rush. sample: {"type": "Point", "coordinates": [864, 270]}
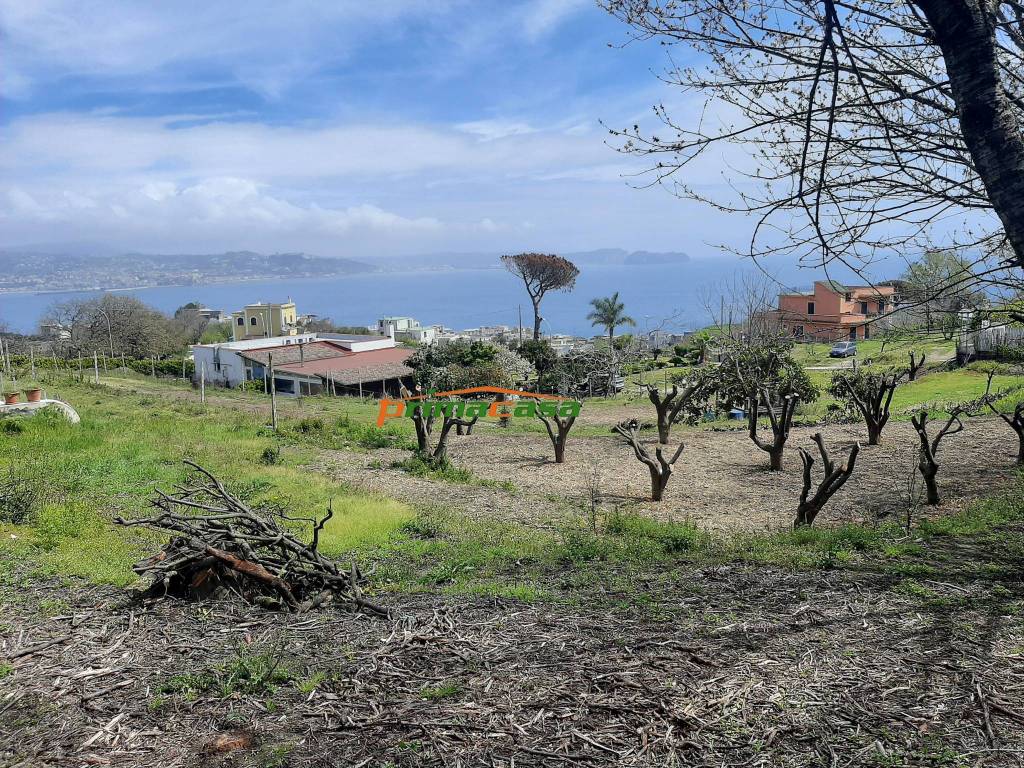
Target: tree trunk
{"type": "Point", "coordinates": [658, 483]}
{"type": "Point", "coordinates": [874, 433]}
{"type": "Point", "coordinates": [560, 448]}
{"type": "Point", "coordinates": [536, 321]}
{"type": "Point", "coordinates": [1019, 429]}
{"type": "Point", "coordinates": [931, 487]}
{"type": "Point", "coordinates": [775, 457]}
{"type": "Point", "coordinates": [664, 426]}
{"type": "Point", "coordinates": [964, 32]}
{"type": "Point", "coordinates": [805, 514]}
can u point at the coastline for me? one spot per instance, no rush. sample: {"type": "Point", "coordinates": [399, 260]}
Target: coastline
{"type": "Point", "coordinates": [237, 281]}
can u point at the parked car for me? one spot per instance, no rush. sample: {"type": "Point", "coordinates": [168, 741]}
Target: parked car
{"type": "Point", "coordinates": [843, 349]}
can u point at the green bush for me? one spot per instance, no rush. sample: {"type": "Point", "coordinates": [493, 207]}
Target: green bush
{"type": "Point", "coordinates": [18, 498]}
{"type": "Point", "coordinates": [11, 427]}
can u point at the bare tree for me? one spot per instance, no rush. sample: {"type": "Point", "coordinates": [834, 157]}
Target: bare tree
{"type": "Point", "coordinates": [871, 393]}
{"type": "Point", "coordinates": [559, 433]}
{"type": "Point", "coordinates": [424, 425]}
{"type": "Point", "coordinates": [659, 467]}
{"type": "Point", "coordinates": [833, 479]}
{"type": "Point", "coordinates": [670, 405]}
{"type": "Point", "coordinates": [540, 273]}
{"type": "Point", "coordinates": [916, 363]}
{"type": "Point", "coordinates": [867, 121]}
{"type": "Point", "coordinates": [1014, 420]}
{"type": "Point", "coordinates": [928, 463]}
{"type": "Point", "coordinates": [780, 417]}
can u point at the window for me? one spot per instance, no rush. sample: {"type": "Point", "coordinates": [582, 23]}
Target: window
{"type": "Point", "coordinates": [867, 332]}
{"type": "Point", "coordinates": [881, 305]}
{"type": "Point", "coordinates": [853, 334]}
{"type": "Point", "coordinates": [810, 307]}
{"type": "Point", "coordinates": [252, 321]}
{"type": "Point", "coordinates": [798, 331]}
{"type": "Point", "coordinates": [241, 321]}
{"type": "Point", "coordinates": [848, 296]}
{"type": "Point", "coordinates": [863, 307]}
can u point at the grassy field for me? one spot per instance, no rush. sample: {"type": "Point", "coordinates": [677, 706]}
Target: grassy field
{"type": "Point", "coordinates": [129, 444]}
{"type": "Point", "coordinates": [136, 431]}
{"type": "Point", "coordinates": [895, 353]}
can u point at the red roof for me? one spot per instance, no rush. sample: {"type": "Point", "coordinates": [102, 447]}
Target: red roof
{"type": "Point", "coordinates": [391, 360]}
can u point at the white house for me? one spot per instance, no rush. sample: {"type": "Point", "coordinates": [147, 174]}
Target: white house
{"type": "Point", "coordinates": [407, 329]}
{"type": "Point", "coordinates": [307, 363]}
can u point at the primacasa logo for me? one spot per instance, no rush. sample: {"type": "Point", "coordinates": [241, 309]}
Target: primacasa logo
{"type": "Point", "coordinates": [527, 404]}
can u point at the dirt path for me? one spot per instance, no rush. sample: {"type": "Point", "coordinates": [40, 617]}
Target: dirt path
{"type": "Point", "coordinates": [720, 481]}
{"type": "Point", "coordinates": [724, 666]}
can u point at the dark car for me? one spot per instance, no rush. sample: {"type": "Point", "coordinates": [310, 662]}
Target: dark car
{"type": "Point", "coordinates": [843, 349]}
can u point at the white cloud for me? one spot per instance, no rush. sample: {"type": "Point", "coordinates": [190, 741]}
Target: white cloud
{"type": "Point", "coordinates": [121, 38]}
{"type": "Point", "coordinates": [544, 16]}
{"type": "Point", "coordinates": [145, 183]}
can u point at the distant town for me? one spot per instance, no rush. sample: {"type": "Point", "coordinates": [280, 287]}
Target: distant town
{"type": "Point", "coordinates": [28, 271]}
{"type": "Point", "coordinates": [32, 270]}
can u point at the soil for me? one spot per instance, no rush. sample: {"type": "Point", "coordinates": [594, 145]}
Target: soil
{"type": "Point", "coordinates": [721, 481]}
{"type": "Point", "coordinates": [723, 666]}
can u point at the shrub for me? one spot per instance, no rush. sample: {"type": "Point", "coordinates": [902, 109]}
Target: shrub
{"type": "Point", "coordinates": [310, 424]}
{"type": "Point", "coordinates": [271, 455]}
{"type": "Point", "coordinates": [18, 498]}
{"type": "Point", "coordinates": [422, 465]}
{"type": "Point", "coordinates": [11, 427]}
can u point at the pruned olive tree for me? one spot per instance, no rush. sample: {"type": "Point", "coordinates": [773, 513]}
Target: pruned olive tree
{"type": "Point", "coordinates": [916, 364]}
{"type": "Point", "coordinates": [871, 393]}
{"type": "Point", "coordinates": [659, 467]}
{"type": "Point", "coordinates": [833, 479]}
{"type": "Point", "coordinates": [928, 463]}
{"type": "Point", "coordinates": [557, 427]}
{"type": "Point", "coordinates": [423, 418]}
{"type": "Point", "coordinates": [867, 122]}
{"type": "Point", "coordinates": [1014, 420]}
{"type": "Point", "coordinates": [675, 404]}
{"type": "Point", "coordinates": [761, 375]}
{"type": "Point", "coordinates": [540, 273]}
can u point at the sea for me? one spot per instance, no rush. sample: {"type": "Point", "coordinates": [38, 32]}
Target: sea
{"type": "Point", "coordinates": [673, 297]}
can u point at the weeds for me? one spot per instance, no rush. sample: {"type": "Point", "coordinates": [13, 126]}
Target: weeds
{"type": "Point", "coordinates": [249, 672]}
{"type": "Point", "coordinates": [18, 498]}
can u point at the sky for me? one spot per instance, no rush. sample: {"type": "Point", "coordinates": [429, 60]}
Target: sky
{"type": "Point", "coordinates": [339, 128]}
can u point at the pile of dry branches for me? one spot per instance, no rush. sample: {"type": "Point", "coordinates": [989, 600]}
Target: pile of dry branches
{"type": "Point", "coordinates": [219, 546]}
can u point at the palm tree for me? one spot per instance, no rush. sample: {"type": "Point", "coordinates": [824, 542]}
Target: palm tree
{"type": "Point", "coordinates": [609, 312]}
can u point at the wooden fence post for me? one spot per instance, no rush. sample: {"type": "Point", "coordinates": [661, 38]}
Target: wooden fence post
{"type": "Point", "coordinates": [273, 392]}
{"type": "Point", "coordinates": [96, 366]}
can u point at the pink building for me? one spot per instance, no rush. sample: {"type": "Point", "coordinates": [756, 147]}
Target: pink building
{"type": "Point", "coordinates": [834, 312]}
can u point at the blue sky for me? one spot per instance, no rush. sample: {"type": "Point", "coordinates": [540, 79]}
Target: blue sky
{"type": "Point", "coordinates": [340, 128]}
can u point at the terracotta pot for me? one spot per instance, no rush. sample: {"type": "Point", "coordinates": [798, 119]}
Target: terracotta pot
{"type": "Point", "coordinates": [34, 395]}
{"type": "Point", "coordinates": [11, 398]}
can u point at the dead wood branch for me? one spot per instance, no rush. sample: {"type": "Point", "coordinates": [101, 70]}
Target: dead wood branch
{"type": "Point", "coordinates": [219, 545]}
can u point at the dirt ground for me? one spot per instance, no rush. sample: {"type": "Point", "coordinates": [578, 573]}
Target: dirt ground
{"type": "Point", "coordinates": [725, 666]}
{"type": "Point", "coordinates": [720, 481]}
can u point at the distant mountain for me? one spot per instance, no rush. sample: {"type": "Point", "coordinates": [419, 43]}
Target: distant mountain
{"type": "Point", "coordinates": [32, 270]}
{"type": "Point", "coordinates": [621, 256]}
{"type": "Point", "coordinates": [483, 260]}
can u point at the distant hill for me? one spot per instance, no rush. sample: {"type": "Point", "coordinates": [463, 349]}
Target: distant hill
{"type": "Point", "coordinates": [483, 260]}
{"type": "Point", "coordinates": [31, 270]}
